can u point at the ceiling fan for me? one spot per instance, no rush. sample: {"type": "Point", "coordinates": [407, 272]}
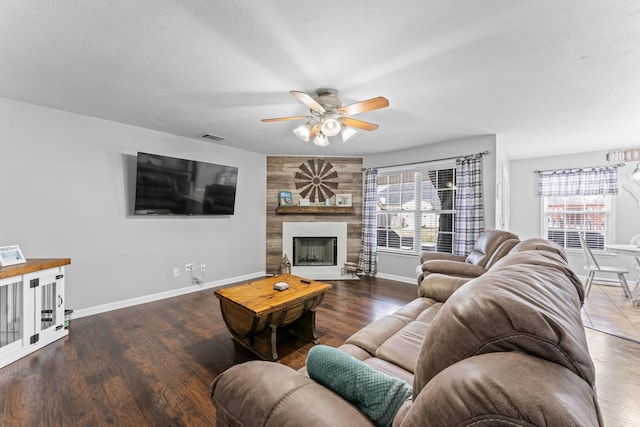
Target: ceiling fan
{"type": "Point", "coordinates": [328, 116]}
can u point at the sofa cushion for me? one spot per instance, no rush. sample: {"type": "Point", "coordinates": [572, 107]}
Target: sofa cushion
{"type": "Point", "coordinates": [389, 369]}
{"type": "Point", "coordinates": [375, 334]}
{"type": "Point", "coordinates": [404, 346]}
{"type": "Point", "coordinates": [503, 389]}
{"type": "Point", "coordinates": [414, 308]}
{"type": "Point", "coordinates": [379, 364]}
{"type": "Point", "coordinates": [376, 394]}
{"type": "Point", "coordinates": [530, 308]}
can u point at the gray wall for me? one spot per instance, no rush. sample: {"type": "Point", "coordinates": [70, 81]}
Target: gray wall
{"type": "Point", "coordinates": [68, 188]}
{"type": "Point", "coordinates": [526, 212]}
{"type": "Point", "coordinates": [66, 192]}
{"type": "Point", "coordinates": [402, 266]}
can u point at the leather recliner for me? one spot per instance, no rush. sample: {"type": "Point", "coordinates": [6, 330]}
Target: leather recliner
{"type": "Point", "coordinates": [489, 248]}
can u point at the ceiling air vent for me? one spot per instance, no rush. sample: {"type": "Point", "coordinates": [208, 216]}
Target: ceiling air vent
{"type": "Point", "coordinates": [215, 138]}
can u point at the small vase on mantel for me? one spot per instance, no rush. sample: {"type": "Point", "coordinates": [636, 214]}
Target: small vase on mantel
{"type": "Point", "coordinates": [285, 265]}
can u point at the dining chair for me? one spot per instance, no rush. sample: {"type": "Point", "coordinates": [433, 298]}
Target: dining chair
{"type": "Point", "coordinates": [592, 265]}
{"type": "Point", "coordinates": [635, 240]}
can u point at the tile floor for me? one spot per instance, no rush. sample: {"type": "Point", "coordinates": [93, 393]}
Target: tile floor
{"type": "Point", "coordinates": [606, 309]}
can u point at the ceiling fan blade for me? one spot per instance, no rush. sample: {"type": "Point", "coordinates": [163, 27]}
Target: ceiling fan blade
{"type": "Point", "coordinates": [308, 101]}
{"type": "Point", "coordinates": [363, 106]}
{"type": "Point", "coordinates": [283, 119]}
{"type": "Point", "coordinates": [359, 124]}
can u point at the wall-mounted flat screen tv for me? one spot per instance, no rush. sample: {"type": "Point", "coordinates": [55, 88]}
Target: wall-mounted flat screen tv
{"type": "Point", "coordinates": [171, 186]}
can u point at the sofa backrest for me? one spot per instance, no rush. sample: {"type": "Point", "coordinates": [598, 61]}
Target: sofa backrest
{"type": "Point", "coordinates": [528, 302]}
{"type": "Point", "coordinates": [503, 389]}
{"type": "Point", "coordinates": [488, 242]}
{"type": "Point", "coordinates": [538, 243]}
{"type": "Point", "coordinates": [504, 249]}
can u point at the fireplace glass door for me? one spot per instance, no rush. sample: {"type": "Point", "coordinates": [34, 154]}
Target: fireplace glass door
{"type": "Point", "coordinates": [315, 251]}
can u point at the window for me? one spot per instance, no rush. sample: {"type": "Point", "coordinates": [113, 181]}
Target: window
{"type": "Point", "coordinates": [566, 216]}
{"type": "Point", "coordinates": [578, 201]}
{"type": "Point", "coordinates": [415, 210]}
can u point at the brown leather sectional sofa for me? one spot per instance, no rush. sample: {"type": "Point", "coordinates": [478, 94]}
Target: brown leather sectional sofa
{"type": "Point", "coordinates": [507, 348]}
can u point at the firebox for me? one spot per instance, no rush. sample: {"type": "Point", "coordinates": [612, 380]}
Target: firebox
{"type": "Point", "coordinates": [315, 251]}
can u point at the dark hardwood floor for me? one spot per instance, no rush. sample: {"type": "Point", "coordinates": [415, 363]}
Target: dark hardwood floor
{"type": "Point", "coordinates": [151, 365]}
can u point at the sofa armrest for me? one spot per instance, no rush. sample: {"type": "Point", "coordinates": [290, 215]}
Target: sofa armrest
{"type": "Point", "coordinates": [261, 393]}
{"type": "Point", "coordinates": [452, 268]}
{"type": "Point", "coordinates": [428, 256]}
{"type": "Point", "coordinates": [440, 287]}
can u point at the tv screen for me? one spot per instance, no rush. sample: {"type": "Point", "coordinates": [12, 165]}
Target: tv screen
{"type": "Point", "coordinates": [171, 186]}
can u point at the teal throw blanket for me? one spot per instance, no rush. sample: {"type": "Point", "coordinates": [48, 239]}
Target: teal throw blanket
{"type": "Point", "coordinates": [377, 395]}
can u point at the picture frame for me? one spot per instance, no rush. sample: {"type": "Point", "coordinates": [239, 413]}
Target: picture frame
{"type": "Point", "coordinates": [11, 255]}
{"type": "Point", "coordinates": [343, 200]}
{"type": "Point", "coordinates": [285, 198]}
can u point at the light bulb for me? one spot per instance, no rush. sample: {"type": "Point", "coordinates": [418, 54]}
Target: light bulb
{"type": "Point", "coordinates": [331, 127]}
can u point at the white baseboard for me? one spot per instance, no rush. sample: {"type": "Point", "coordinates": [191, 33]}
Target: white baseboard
{"type": "Point", "coordinates": [408, 280]}
{"type": "Point", "coordinates": [83, 312]}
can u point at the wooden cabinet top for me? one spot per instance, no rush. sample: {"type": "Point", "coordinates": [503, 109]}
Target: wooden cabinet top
{"type": "Point", "coordinates": [32, 264]}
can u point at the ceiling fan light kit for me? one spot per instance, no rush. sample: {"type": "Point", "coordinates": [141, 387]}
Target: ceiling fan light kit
{"type": "Point", "coordinates": [329, 118]}
{"type": "Point", "coordinates": [330, 127]}
{"type": "Point", "coordinates": [321, 140]}
{"type": "Point", "coordinates": [303, 132]}
{"type": "Point", "coordinates": [636, 173]}
{"type": "Point", "coordinates": [347, 132]}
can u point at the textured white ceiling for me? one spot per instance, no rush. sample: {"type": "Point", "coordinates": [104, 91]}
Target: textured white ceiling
{"type": "Point", "coordinates": [548, 77]}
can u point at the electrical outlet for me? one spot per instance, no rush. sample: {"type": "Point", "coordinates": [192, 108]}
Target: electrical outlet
{"type": "Point", "coordinates": [203, 268]}
{"type": "Point", "coordinates": [176, 272]}
{"type": "Point", "coordinates": [190, 266]}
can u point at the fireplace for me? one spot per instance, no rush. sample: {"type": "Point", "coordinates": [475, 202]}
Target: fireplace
{"type": "Point", "coordinates": [315, 250]}
{"type": "Point", "coordinates": [320, 251]}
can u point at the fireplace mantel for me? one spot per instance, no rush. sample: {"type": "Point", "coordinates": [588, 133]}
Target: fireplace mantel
{"type": "Point", "coordinates": [308, 210]}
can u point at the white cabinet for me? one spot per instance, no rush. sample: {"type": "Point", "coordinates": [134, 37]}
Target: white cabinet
{"type": "Point", "coordinates": [31, 307]}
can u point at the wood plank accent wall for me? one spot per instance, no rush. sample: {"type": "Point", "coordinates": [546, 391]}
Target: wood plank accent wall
{"type": "Point", "coordinates": [280, 177]}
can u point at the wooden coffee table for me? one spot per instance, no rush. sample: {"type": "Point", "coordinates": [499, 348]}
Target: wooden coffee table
{"type": "Point", "coordinates": [254, 311]}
